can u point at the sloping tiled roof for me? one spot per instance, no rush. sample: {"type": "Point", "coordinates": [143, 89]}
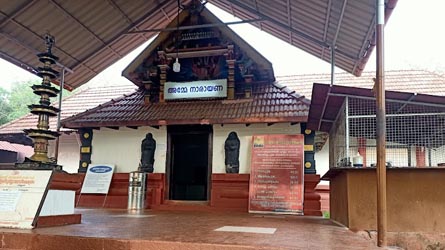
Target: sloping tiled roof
{"type": "Point", "coordinates": [74, 104]}
{"type": "Point", "coordinates": [270, 103]}
{"type": "Point", "coordinates": [27, 151]}
{"type": "Point", "coordinates": [411, 81]}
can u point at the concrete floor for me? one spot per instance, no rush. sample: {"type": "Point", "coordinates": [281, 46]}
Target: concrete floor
{"type": "Point", "coordinates": [116, 229]}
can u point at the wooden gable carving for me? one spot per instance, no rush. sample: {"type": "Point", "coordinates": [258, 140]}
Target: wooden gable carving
{"type": "Point", "coordinates": [206, 50]}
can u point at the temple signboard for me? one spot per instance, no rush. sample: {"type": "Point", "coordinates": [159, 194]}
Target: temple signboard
{"type": "Point", "coordinates": [22, 193]}
{"type": "Point", "coordinates": [195, 89]}
{"type": "Point", "coordinates": [97, 179]}
{"type": "Point", "coordinates": [276, 175]}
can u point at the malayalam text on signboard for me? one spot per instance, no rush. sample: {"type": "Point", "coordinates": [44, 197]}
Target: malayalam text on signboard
{"type": "Point", "coordinates": [196, 89]}
{"type": "Point", "coordinates": [21, 195]}
{"type": "Point", "coordinates": [276, 175]}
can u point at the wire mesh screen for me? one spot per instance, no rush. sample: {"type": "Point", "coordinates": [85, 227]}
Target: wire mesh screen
{"type": "Point", "coordinates": [414, 134]}
{"type": "Point", "coordinates": [337, 139]}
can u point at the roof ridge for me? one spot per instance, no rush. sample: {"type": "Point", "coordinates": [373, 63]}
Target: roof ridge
{"type": "Point", "coordinates": [364, 72]}
{"type": "Point", "coordinates": [291, 92]}
{"type": "Point", "coordinates": [313, 74]}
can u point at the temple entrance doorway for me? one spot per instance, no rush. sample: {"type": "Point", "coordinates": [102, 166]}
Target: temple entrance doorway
{"type": "Point", "coordinates": [189, 162]}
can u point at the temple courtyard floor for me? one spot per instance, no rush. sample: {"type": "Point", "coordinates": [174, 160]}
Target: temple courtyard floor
{"type": "Point", "coordinates": [173, 230]}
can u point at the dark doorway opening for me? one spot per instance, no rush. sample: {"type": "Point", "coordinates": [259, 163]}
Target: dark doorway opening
{"type": "Point", "coordinates": [189, 162]}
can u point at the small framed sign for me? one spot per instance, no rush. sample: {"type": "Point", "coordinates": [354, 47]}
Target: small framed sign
{"type": "Point", "coordinates": [97, 179]}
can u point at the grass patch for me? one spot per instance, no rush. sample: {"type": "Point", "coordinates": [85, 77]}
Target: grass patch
{"type": "Point", "coordinates": [326, 214]}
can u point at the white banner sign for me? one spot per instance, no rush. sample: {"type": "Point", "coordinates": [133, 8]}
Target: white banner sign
{"type": "Point", "coordinates": [21, 194]}
{"type": "Point", "coordinates": [97, 179]}
{"type": "Point", "coordinates": [196, 89]}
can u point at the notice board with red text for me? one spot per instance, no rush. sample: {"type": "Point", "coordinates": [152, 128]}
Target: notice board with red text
{"type": "Point", "coordinates": [276, 174]}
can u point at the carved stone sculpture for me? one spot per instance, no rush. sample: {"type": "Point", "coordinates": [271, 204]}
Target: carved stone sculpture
{"type": "Point", "coordinates": [231, 147]}
{"type": "Point", "coordinates": [148, 148]}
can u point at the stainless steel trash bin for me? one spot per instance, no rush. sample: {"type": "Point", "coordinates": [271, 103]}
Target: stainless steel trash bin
{"type": "Point", "coordinates": [136, 190]}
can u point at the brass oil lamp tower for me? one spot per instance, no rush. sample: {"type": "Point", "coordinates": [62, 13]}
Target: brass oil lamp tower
{"type": "Point", "coordinates": [41, 135]}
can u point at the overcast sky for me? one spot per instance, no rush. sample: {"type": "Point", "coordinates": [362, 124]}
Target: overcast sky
{"type": "Point", "coordinates": [414, 39]}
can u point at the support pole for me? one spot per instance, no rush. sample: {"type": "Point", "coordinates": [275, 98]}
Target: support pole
{"type": "Point", "coordinates": [56, 150]}
{"type": "Point", "coordinates": [347, 138]}
{"type": "Point", "coordinates": [381, 128]}
{"type": "Point", "coordinates": [332, 64]}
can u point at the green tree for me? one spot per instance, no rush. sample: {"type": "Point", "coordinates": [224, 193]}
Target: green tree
{"type": "Point", "coordinates": [21, 96]}
{"type": "Point", "coordinates": [5, 108]}
{"type": "Point", "coordinates": [14, 104]}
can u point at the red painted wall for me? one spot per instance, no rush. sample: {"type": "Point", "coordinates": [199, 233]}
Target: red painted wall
{"type": "Point", "coordinates": [228, 192]}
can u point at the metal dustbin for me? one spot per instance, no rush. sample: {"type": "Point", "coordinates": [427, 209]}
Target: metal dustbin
{"type": "Point", "coordinates": [136, 190]}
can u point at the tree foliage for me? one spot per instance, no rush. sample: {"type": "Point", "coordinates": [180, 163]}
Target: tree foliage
{"type": "Point", "coordinates": [5, 108]}
{"type": "Point", "coordinates": [20, 97]}
{"type": "Point", "coordinates": [14, 103]}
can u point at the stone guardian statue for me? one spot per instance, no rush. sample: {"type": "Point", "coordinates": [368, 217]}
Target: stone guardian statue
{"type": "Point", "coordinates": [148, 148]}
{"type": "Point", "coordinates": [231, 148]}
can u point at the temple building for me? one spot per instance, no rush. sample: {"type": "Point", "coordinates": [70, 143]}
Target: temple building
{"type": "Point", "coordinates": [222, 86]}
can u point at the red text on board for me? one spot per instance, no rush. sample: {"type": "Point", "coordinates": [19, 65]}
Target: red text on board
{"type": "Point", "coordinates": [276, 175]}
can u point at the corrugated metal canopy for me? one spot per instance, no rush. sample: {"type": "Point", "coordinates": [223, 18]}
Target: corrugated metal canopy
{"type": "Point", "coordinates": [327, 102]}
{"type": "Point", "coordinates": [92, 35]}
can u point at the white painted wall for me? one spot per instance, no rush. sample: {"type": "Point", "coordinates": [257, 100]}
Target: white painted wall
{"type": "Point", "coordinates": [69, 152]}
{"type": "Point", "coordinates": [322, 159]}
{"type": "Point", "coordinates": [123, 148]}
{"type": "Point", "coordinates": [220, 134]}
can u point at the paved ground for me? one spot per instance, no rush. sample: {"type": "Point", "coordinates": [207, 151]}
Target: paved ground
{"type": "Point", "coordinates": [116, 229]}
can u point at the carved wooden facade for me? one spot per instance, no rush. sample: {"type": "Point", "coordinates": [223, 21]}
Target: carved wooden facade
{"type": "Point", "coordinates": [206, 50]}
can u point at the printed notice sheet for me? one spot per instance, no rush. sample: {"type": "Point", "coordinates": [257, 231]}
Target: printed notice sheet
{"type": "Point", "coordinates": [98, 179]}
{"type": "Point", "coordinates": [21, 194]}
{"type": "Point", "coordinates": [276, 174]}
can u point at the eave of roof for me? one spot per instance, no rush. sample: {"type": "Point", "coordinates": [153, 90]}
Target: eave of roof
{"type": "Point", "coordinates": [14, 147]}
{"type": "Point", "coordinates": [270, 104]}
